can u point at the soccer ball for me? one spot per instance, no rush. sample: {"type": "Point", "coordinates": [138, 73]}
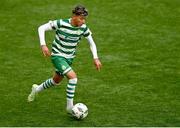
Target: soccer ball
{"type": "Point", "coordinates": [80, 111]}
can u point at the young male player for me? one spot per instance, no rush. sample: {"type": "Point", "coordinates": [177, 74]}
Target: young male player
{"type": "Point", "coordinates": [68, 34]}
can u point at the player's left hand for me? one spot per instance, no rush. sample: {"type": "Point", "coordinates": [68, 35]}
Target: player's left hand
{"type": "Point", "coordinates": [98, 64]}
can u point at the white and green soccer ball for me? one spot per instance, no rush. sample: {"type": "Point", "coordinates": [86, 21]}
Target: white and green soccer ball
{"type": "Point", "coordinates": [80, 111]}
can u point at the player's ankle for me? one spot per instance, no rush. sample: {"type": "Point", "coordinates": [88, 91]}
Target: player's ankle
{"type": "Point", "coordinates": [69, 110]}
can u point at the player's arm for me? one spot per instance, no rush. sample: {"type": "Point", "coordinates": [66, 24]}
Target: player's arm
{"type": "Point", "coordinates": [93, 48]}
{"type": "Point", "coordinates": [41, 31]}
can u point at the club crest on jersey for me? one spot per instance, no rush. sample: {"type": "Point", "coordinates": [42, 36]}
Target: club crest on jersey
{"type": "Point", "coordinates": [63, 67]}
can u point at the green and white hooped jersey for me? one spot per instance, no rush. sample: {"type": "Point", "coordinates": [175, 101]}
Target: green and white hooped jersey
{"type": "Point", "coordinates": [67, 37]}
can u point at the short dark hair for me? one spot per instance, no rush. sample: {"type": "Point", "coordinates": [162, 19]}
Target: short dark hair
{"type": "Point", "coordinates": [80, 10]}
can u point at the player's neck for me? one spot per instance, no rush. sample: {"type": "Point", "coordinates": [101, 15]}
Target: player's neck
{"type": "Point", "coordinates": [73, 23]}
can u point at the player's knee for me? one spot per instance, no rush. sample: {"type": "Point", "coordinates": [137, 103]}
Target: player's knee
{"type": "Point", "coordinates": [73, 80]}
{"type": "Point", "coordinates": [71, 74]}
{"type": "Point", "coordinates": [57, 78]}
{"type": "Point", "coordinates": [56, 81]}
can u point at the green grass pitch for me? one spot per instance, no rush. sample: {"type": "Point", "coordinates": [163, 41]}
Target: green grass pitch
{"type": "Point", "coordinates": [138, 43]}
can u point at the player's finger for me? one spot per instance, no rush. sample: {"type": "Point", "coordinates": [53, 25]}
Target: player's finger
{"type": "Point", "coordinates": [49, 54]}
{"type": "Point", "coordinates": [98, 67]}
{"type": "Point", "coordinates": [44, 53]}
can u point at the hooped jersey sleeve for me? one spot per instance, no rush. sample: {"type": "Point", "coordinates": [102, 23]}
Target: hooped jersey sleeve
{"type": "Point", "coordinates": [87, 32]}
{"type": "Point", "coordinates": [55, 24]}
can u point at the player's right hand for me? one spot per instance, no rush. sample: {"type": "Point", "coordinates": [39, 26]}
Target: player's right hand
{"type": "Point", "coordinates": [45, 50]}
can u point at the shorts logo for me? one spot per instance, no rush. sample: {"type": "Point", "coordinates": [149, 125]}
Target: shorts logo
{"type": "Point", "coordinates": [63, 67]}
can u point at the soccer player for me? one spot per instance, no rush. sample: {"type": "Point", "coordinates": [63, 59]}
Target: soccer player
{"type": "Point", "coordinates": [68, 32]}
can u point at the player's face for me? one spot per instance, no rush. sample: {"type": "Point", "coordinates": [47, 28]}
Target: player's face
{"type": "Point", "coordinates": [78, 20]}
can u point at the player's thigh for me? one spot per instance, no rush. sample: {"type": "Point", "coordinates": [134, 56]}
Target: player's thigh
{"type": "Point", "coordinates": [61, 65]}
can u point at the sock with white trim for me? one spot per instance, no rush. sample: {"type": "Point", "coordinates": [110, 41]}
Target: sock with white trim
{"type": "Point", "coordinates": [70, 93]}
{"type": "Point", "coordinates": [48, 83]}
